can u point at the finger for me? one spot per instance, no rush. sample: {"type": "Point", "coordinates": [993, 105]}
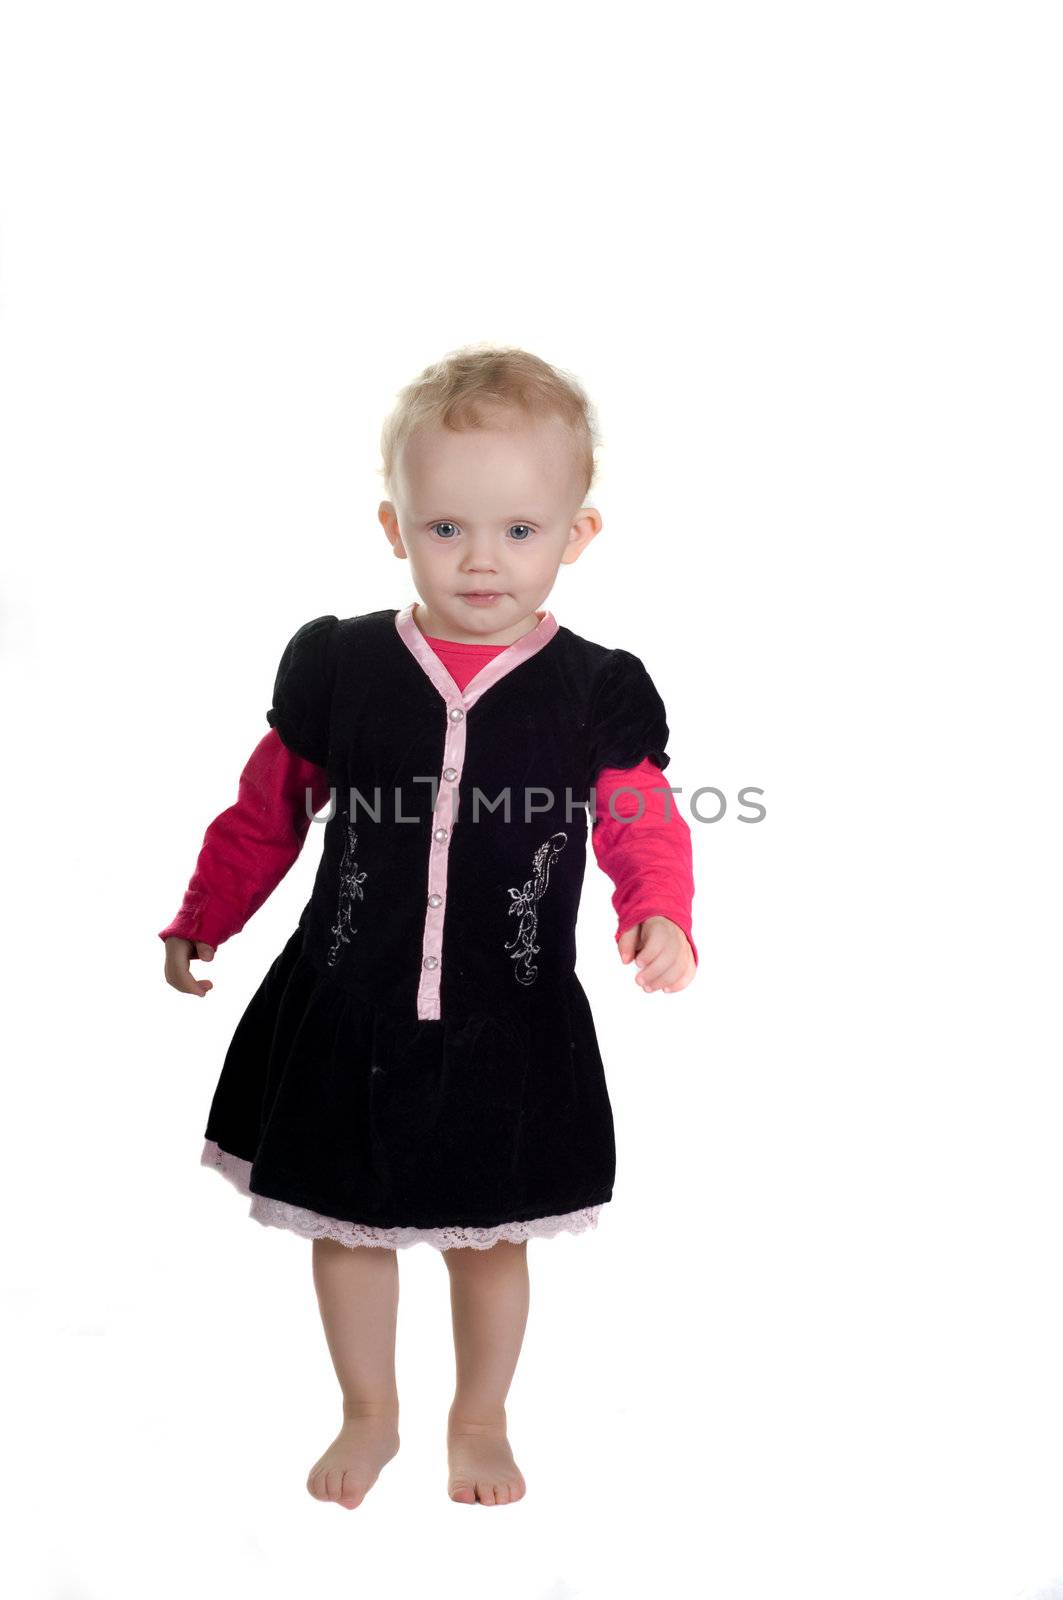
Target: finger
{"type": "Point", "coordinates": [178, 975]}
{"type": "Point", "coordinates": [653, 943]}
{"type": "Point", "coordinates": [204, 952]}
{"type": "Point", "coordinates": [655, 972]}
{"type": "Point", "coordinates": [627, 944]}
{"type": "Point", "coordinates": [683, 977]}
{"type": "Point", "coordinates": [669, 961]}
{"type": "Point", "coordinates": [187, 983]}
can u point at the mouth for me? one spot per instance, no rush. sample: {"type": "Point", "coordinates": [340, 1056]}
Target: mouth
{"type": "Point", "coordinates": [481, 595]}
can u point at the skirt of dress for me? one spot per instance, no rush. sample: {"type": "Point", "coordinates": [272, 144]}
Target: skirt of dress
{"type": "Point", "coordinates": [348, 1120]}
{"type": "Point", "coordinates": [312, 1225]}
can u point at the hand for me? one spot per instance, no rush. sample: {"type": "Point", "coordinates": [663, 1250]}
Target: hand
{"type": "Point", "coordinates": [662, 952]}
{"type": "Point", "coordinates": [179, 952]}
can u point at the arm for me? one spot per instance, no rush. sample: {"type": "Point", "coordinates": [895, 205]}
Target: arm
{"type": "Point", "coordinates": [648, 858]}
{"type": "Point", "coordinates": [249, 848]}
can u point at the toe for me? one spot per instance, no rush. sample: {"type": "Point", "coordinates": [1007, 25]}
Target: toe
{"type": "Point", "coordinates": [485, 1493]}
{"type": "Point", "coordinates": [352, 1492]}
{"type": "Point", "coordinates": [334, 1483]}
{"type": "Point", "coordinates": [463, 1491]}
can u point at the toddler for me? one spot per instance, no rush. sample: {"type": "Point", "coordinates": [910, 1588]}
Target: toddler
{"type": "Point", "coordinates": [419, 1063]}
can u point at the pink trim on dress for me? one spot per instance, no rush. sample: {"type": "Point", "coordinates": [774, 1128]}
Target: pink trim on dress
{"type": "Point", "coordinates": [311, 1225]}
{"type": "Point", "coordinates": [458, 702]}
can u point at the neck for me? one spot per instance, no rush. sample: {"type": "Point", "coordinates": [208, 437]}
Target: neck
{"type": "Point", "coordinates": [428, 625]}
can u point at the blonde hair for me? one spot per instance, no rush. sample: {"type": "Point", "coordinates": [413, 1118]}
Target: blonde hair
{"type": "Point", "coordinates": [463, 390]}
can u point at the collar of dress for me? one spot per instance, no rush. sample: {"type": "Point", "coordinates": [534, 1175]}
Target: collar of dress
{"type": "Point", "coordinates": [528, 645]}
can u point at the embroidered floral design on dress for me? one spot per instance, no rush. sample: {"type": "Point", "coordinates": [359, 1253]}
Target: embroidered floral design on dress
{"type": "Point", "coordinates": [524, 905]}
{"type": "Point", "coordinates": [351, 881]}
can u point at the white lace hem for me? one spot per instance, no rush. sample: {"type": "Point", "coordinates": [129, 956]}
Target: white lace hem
{"type": "Point", "coordinates": [312, 1225]}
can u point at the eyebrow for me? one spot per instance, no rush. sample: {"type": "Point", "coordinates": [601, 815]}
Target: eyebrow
{"type": "Point", "coordinates": [447, 516]}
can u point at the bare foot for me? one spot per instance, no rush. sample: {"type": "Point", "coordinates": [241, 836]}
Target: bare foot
{"type": "Point", "coordinates": [353, 1461]}
{"type": "Point", "coordinates": [482, 1468]}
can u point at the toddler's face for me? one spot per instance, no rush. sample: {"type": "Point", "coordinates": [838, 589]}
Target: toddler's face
{"type": "Point", "coordinates": [495, 510]}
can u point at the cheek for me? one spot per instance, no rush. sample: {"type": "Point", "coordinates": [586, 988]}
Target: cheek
{"type": "Point", "coordinates": [437, 552]}
{"type": "Point", "coordinates": [539, 561]}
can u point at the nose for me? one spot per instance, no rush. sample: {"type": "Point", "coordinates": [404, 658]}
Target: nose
{"type": "Point", "coordinates": [478, 555]}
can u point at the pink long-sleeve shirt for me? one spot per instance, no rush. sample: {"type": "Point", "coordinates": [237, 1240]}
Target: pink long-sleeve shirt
{"type": "Point", "coordinates": [250, 846]}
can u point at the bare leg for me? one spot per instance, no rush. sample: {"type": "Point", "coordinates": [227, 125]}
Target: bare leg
{"type": "Point", "coordinates": [489, 1295]}
{"type": "Point", "coordinates": [358, 1296]}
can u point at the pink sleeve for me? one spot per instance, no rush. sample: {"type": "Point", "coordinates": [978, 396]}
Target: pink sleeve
{"type": "Point", "coordinates": [248, 849]}
{"type": "Point", "coordinates": [648, 858]}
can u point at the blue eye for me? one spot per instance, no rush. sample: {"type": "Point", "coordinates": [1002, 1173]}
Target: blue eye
{"type": "Point", "coordinates": [519, 537]}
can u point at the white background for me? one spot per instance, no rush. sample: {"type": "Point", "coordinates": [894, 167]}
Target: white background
{"type": "Point", "coordinates": [807, 261]}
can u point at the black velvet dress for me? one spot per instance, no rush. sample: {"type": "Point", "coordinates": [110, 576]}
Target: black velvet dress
{"type": "Point", "coordinates": [420, 1060]}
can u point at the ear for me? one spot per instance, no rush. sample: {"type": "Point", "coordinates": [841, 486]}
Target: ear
{"type": "Point", "coordinates": [585, 526]}
{"type": "Point", "coordinates": [389, 521]}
